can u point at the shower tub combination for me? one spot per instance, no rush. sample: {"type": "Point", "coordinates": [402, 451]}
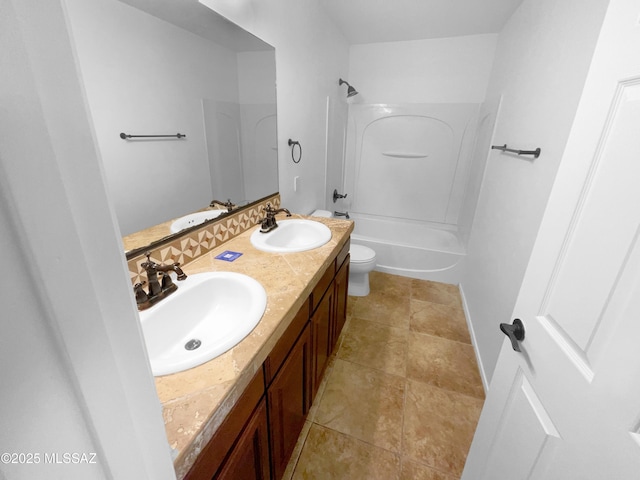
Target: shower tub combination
{"type": "Point", "coordinates": [406, 167]}
{"type": "Point", "coordinates": [410, 249]}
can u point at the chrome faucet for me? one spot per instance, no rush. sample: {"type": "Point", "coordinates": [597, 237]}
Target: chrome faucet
{"type": "Point", "coordinates": [159, 288]}
{"type": "Point", "coordinates": [268, 223]}
{"type": "Point", "coordinates": [228, 205]}
{"type": "Point", "coordinates": [341, 214]}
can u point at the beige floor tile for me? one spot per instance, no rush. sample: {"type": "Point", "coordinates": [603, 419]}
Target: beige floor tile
{"type": "Point", "coordinates": [367, 414]}
{"type": "Point", "coordinates": [444, 363]}
{"type": "Point", "coordinates": [446, 321]}
{"type": "Point", "coordinates": [376, 346]}
{"type": "Point", "coordinates": [351, 303]}
{"type": "Point", "coordinates": [434, 292]}
{"type": "Point", "coordinates": [330, 455]}
{"type": "Point", "coordinates": [364, 403]}
{"type": "Point", "coordinates": [391, 284]}
{"type": "Point", "coordinates": [415, 471]}
{"type": "Point", "coordinates": [382, 307]}
{"type": "Point", "coordinates": [439, 426]}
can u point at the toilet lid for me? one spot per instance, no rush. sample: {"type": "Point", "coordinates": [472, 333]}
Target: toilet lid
{"type": "Point", "coordinates": [360, 253]}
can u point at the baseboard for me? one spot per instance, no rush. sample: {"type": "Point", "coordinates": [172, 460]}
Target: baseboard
{"type": "Point", "coordinates": [467, 316]}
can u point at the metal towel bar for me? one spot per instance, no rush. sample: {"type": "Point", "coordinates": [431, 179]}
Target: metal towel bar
{"type": "Point", "coordinates": [124, 136]}
{"type": "Point", "coordinates": [503, 148]}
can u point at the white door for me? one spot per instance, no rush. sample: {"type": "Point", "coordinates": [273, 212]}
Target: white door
{"type": "Point", "coordinates": [568, 405]}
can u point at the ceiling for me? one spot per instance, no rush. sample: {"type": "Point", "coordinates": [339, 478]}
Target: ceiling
{"type": "Point", "coordinates": [373, 21]}
{"type": "Point", "coordinates": [195, 17]}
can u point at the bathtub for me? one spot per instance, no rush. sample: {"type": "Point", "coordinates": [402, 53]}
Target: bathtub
{"type": "Point", "coordinates": [411, 249]}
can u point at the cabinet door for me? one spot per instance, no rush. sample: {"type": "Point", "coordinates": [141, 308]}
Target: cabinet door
{"type": "Point", "coordinates": [321, 323]}
{"type": "Point", "coordinates": [341, 284]}
{"type": "Point", "coordinates": [289, 402]}
{"type": "Point", "coordinates": [249, 458]}
{"type": "Point", "coordinates": [221, 446]}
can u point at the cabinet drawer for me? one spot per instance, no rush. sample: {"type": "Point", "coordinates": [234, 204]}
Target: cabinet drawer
{"type": "Point", "coordinates": [279, 353]}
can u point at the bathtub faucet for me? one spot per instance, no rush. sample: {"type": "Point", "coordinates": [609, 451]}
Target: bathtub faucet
{"type": "Point", "coordinates": [341, 214]}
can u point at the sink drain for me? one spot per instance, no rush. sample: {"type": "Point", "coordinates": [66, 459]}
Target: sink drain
{"type": "Point", "coordinates": [192, 344]}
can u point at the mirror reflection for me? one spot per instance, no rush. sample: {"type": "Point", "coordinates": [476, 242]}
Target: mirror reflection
{"type": "Point", "coordinates": [164, 67]}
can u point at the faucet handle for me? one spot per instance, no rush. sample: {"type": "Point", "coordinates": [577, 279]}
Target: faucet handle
{"type": "Point", "coordinates": [269, 209]}
{"type": "Point", "coordinates": [166, 280]}
{"type": "Point", "coordinates": [149, 263]}
{"type": "Point", "coordinates": [229, 204]}
{"type": "Point", "coordinates": [141, 295]}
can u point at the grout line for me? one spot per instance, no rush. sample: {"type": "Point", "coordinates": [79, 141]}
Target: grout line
{"type": "Point", "coordinates": [358, 439]}
{"type": "Point", "coordinates": [443, 338]}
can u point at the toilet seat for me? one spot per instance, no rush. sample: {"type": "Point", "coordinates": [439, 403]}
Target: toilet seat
{"type": "Point", "coordinates": [361, 254]}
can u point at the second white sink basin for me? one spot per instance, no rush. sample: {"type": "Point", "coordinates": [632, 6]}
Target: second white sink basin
{"type": "Point", "coordinates": [208, 314]}
{"type": "Point", "coordinates": [194, 219]}
{"type": "Point", "coordinates": [295, 235]}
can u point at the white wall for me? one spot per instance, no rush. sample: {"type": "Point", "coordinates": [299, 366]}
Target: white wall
{"type": "Point", "coordinates": [256, 84]}
{"type": "Point", "coordinates": [74, 376]}
{"type": "Point", "coordinates": [40, 410]}
{"type": "Point", "coordinates": [256, 77]}
{"type": "Point", "coordinates": [311, 54]}
{"type": "Point", "coordinates": [444, 70]}
{"type": "Point", "coordinates": [540, 66]}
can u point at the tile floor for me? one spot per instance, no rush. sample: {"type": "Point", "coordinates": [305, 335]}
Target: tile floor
{"type": "Point", "coordinates": [402, 395]}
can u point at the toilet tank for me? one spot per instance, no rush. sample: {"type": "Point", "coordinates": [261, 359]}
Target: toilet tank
{"type": "Point", "coordinates": [322, 213]}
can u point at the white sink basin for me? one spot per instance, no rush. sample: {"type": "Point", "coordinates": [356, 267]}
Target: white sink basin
{"type": "Point", "coordinates": [217, 309]}
{"type": "Point", "coordinates": [295, 235]}
{"type": "Point", "coordinates": [194, 219]}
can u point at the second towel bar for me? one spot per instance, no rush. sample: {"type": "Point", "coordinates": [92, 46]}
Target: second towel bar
{"type": "Point", "coordinates": [503, 148]}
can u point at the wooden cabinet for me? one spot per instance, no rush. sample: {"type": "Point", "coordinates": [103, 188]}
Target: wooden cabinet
{"type": "Point", "coordinates": [289, 401]}
{"type": "Point", "coordinates": [341, 292]}
{"type": "Point", "coordinates": [249, 459]}
{"type": "Point", "coordinates": [258, 436]}
{"type": "Point", "coordinates": [321, 331]}
{"type": "Point", "coordinates": [223, 447]}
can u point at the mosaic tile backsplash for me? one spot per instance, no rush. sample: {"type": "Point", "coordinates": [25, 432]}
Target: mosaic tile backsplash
{"type": "Point", "coordinates": [189, 246]}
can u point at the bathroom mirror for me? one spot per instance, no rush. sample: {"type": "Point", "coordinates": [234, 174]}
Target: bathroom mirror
{"type": "Point", "coordinates": [161, 67]}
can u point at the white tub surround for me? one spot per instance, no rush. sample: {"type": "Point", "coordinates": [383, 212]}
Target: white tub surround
{"type": "Point", "coordinates": [406, 172]}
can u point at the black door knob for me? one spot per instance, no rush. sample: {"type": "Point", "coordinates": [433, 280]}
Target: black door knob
{"type": "Point", "coordinates": [515, 332]}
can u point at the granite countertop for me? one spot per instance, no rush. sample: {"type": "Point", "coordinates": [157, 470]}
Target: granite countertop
{"type": "Point", "coordinates": [196, 401]}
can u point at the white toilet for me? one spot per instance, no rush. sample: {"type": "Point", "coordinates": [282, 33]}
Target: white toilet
{"type": "Point", "coordinates": [363, 261]}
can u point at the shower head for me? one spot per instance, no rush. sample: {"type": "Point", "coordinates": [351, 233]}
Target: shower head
{"type": "Point", "coordinates": [350, 91]}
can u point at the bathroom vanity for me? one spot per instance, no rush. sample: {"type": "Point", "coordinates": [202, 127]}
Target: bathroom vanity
{"type": "Point", "coordinates": [240, 414]}
{"type": "Point", "coordinates": [258, 435]}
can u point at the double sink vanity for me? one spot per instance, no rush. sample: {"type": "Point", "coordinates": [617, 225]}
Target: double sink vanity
{"type": "Point", "coordinates": [236, 411]}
